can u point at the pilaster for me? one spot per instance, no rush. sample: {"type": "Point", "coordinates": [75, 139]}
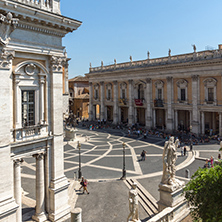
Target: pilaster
{"type": "Point", "coordinates": [8, 205]}
{"type": "Point", "coordinates": [90, 102]}
{"type": "Point", "coordinates": [169, 123]}
{"type": "Point", "coordinates": [58, 184]}
{"type": "Point", "coordinates": [130, 110]}
{"type": "Point", "coordinates": [102, 101]}
{"type": "Point", "coordinates": [115, 108]}
{"type": "Point", "coordinates": [148, 103]}
{"type": "Point", "coordinates": [195, 114]}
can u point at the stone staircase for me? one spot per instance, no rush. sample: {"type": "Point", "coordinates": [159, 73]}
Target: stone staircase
{"type": "Point", "coordinates": [147, 201]}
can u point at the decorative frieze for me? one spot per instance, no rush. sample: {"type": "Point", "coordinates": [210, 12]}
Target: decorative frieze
{"type": "Point", "coordinates": [8, 25]}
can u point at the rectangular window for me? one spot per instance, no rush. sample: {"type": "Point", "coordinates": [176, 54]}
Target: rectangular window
{"type": "Point", "coordinates": [123, 94]}
{"type": "Point", "coordinates": [210, 94]}
{"type": "Point", "coordinates": [109, 94]}
{"type": "Point", "coordinates": [182, 94]}
{"type": "Point", "coordinates": [28, 108]}
{"type": "Point", "coordinates": [159, 94]}
{"type": "Point", "coordinates": [96, 94]}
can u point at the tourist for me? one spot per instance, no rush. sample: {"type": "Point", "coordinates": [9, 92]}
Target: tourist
{"type": "Point", "coordinates": [212, 161]}
{"type": "Point", "coordinates": [143, 155]}
{"type": "Point", "coordinates": [181, 150]}
{"type": "Point", "coordinates": [219, 156]}
{"type": "Point", "coordinates": [184, 150]}
{"type": "Point", "coordinates": [84, 184]}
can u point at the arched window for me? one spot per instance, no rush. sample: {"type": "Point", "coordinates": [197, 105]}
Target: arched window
{"type": "Point", "coordinates": [210, 89]}
{"type": "Point", "coordinates": [96, 92]}
{"type": "Point", "coordinates": [140, 91]}
{"type": "Point", "coordinates": [123, 88]}
{"type": "Point", "coordinates": [182, 90]}
{"type": "Point", "coordinates": [109, 91]}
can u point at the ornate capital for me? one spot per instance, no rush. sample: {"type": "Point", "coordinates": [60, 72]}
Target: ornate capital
{"type": "Point", "coordinates": [130, 81]}
{"type": "Point", "coordinates": [195, 77]}
{"type": "Point", "coordinates": [41, 80]}
{"type": "Point", "coordinates": [115, 82]}
{"type": "Point", "coordinates": [90, 83]}
{"type": "Point", "coordinates": [39, 156]}
{"type": "Point", "coordinates": [58, 63]}
{"type": "Point", "coordinates": [148, 80]}
{"type": "Point", "coordinates": [101, 83]}
{"type": "Point", "coordinates": [18, 162]}
{"type": "Point", "coordinates": [7, 26]}
{"type": "Point", "coordinates": [169, 78]}
{"type": "Point", "coordinates": [6, 58]}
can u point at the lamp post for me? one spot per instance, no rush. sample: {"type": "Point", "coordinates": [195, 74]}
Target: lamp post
{"type": "Point", "coordinates": [80, 172]}
{"type": "Point", "coordinates": [124, 169]}
{"type": "Point", "coordinates": [191, 138]}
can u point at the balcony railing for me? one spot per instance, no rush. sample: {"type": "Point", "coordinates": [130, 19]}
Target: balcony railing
{"type": "Point", "coordinates": [30, 132]}
{"type": "Point", "coordinates": [123, 101]}
{"type": "Point", "coordinates": [158, 103]}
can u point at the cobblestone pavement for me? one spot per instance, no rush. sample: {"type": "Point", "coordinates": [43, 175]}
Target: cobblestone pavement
{"type": "Point", "coordinates": [102, 162]}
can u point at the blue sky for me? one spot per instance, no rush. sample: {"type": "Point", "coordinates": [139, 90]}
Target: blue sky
{"type": "Point", "coordinates": [116, 29]}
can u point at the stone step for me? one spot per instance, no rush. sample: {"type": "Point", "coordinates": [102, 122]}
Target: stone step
{"type": "Point", "coordinates": [146, 200]}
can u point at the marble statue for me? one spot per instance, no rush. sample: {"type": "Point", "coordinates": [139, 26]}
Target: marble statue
{"type": "Point", "coordinates": [131, 58]}
{"type": "Point", "coordinates": [133, 204]}
{"type": "Point", "coordinates": [148, 55]}
{"type": "Point", "coordinates": [194, 48]}
{"type": "Point", "coordinates": [115, 61]}
{"type": "Point", "coordinates": [101, 63]}
{"type": "Point", "coordinates": [169, 163]}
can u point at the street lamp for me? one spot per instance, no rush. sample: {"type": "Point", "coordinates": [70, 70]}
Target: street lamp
{"type": "Point", "coordinates": [80, 173]}
{"type": "Point", "coordinates": [191, 138]}
{"type": "Point", "coordinates": [124, 170]}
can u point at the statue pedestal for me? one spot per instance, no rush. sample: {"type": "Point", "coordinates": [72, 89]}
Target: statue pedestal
{"type": "Point", "coordinates": [172, 196]}
{"type": "Point", "coordinates": [70, 134]}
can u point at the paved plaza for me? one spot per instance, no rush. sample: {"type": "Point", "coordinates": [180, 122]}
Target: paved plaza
{"type": "Point", "coordinates": [102, 163]}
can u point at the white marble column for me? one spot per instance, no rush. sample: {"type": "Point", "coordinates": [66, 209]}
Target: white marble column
{"type": "Point", "coordinates": [195, 92]}
{"type": "Point", "coordinates": [220, 124]}
{"type": "Point", "coordinates": [40, 189]}
{"type": "Point", "coordinates": [131, 102]}
{"type": "Point", "coordinates": [42, 99]}
{"type": "Point", "coordinates": [148, 97]}
{"type": "Point", "coordinates": [17, 188]}
{"type": "Point", "coordinates": [169, 123]}
{"type": "Point", "coordinates": [102, 106]}
{"type": "Point", "coordinates": [90, 102]}
{"type": "Point", "coordinates": [202, 123]}
{"type": "Point", "coordinates": [115, 101]}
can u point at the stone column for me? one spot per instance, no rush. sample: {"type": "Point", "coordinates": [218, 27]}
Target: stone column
{"type": "Point", "coordinates": [148, 97]}
{"type": "Point", "coordinates": [58, 194]}
{"type": "Point", "coordinates": [169, 123]}
{"type": "Point", "coordinates": [90, 102]}
{"type": "Point", "coordinates": [115, 101]}
{"type": "Point", "coordinates": [102, 107]}
{"type": "Point", "coordinates": [220, 124]}
{"type": "Point", "coordinates": [42, 99]}
{"type": "Point", "coordinates": [8, 206]}
{"type": "Point", "coordinates": [17, 188]}
{"type": "Point", "coordinates": [195, 92]}
{"type": "Point", "coordinates": [40, 189]}
{"type": "Point", "coordinates": [131, 102]}
{"type": "Point", "coordinates": [202, 123]}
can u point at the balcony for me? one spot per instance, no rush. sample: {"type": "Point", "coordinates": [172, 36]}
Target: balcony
{"type": "Point", "coordinates": [30, 133]}
{"type": "Point", "coordinates": [123, 101]}
{"type": "Point", "coordinates": [138, 102]}
{"type": "Point", "coordinates": [158, 103]}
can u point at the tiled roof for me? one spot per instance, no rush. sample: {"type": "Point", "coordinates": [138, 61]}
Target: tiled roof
{"type": "Point", "coordinates": [79, 78]}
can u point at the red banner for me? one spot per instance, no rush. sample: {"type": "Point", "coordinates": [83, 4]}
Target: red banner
{"type": "Point", "coordinates": [138, 102]}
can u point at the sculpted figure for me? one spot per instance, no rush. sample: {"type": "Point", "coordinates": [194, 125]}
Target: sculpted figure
{"type": "Point", "coordinates": [169, 162]}
{"type": "Point", "coordinates": [169, 52]}
{"type": "Point", "coordinates": [133, 204]}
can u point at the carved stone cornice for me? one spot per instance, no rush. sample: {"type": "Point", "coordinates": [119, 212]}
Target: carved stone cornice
{"type": "Point", "coordinates": [6, 57]}
{"type": "Point", "coordinates": [7, 26]}
{"type": "Point", "coordinates": [57, 63]}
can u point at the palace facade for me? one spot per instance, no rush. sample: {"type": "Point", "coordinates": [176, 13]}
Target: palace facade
{"type": "Point", "coordinates": [34, 92]}
{"type": "Point", "coordinates": [172, 93]}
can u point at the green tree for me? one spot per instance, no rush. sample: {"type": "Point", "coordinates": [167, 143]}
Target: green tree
{"type": "Point", "coordinates": [204, 193]}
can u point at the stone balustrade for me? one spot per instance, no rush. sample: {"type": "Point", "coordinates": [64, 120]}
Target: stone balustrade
{"type": "Point", "coordinates": [29, 133]}
{"type": "Point", "coordinates": [166, 215]}
{"type": "Point", "coordinates": [196, 56]}
{"type": "Point", "coordinates": [42, 4]}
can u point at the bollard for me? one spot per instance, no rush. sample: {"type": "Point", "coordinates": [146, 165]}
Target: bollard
{"type": "Point", "coordinates": [74, 176]}
{"type": "Point", "coordinates": [76, 215]}
{"type": "Point", "coordinates": [187, 173]}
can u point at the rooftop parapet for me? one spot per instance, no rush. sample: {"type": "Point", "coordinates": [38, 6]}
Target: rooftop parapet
{"type": "Point", "coordinates": [48, 5]}
{"type": "Point", "coordinates": [183, 58]}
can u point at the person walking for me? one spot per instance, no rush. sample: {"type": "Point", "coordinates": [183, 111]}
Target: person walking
{"type": "Point", "coordinates": [85, 183]}
{"type": "Point", "coordinates": [184, 150]}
